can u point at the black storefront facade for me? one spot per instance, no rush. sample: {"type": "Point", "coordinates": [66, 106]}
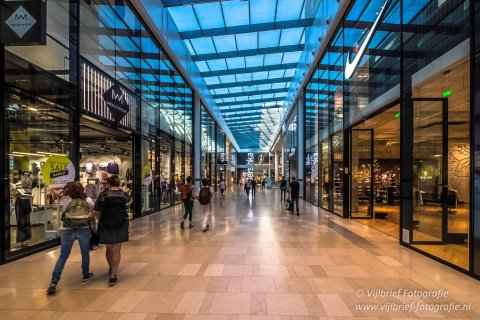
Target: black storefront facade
{"type": "Point", "coordinates": [391, 139]}
{"type": "Point", "coordinates": [55, 102]}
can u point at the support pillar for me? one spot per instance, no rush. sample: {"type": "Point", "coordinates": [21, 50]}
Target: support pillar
{"type": "Point", "coordinates": [276, 165]}
{"type": "Point", "coordinates": [301, 141]}
{"type": "Point", "coordinates": [197, 141]}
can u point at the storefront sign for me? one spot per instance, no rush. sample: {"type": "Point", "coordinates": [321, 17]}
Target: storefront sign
{"type": "Point", "coordinates": [116, 99]}
{"type": "Point", "coordinates": [23, 22]}
{"type": "Point", "coordinates": [147, 175]}
{"type": "Point", "coordinates": [58, 171]}
{"type": "Point", "coordinates": [249, 163]}
{"type": "Point", "coordinates": [233, 159]}
{"type": "Point", "coordinates": [351, 66]}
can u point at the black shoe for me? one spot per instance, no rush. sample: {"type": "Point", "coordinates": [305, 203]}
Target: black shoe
{"type": "Point", "coordinates": [88, 277]}
{"type": "Point", "coordinates": [190, 225]}
{"type": "Point", "coordinates": [182, 224]}
{"type": "Point", "coordinates": [112, 282]}
{"type": "Point", "coordinates": [206, 228]}
{"type": "Point", "coordinates": [298, 213]}
{"type": "Point", "coordinates": [52, 288]}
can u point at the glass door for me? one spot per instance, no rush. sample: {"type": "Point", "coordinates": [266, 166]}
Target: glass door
{"type": "Point", "coordinates": [430, 170]}
{"type": "Point", "coordinates": [361, 164]}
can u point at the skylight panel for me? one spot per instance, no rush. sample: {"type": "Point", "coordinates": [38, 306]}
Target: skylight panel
{"type": "Point", "coordinates": [275, 74]}
{"type": "Point", "coordinates": [244, 77]}
{"type": "Point", "coordinates": [254, 61]}
{"type": "Point", "coordinates": [273, 59]}
{"type": "Point", "coordinates": [247, 41]}
{"type": "Point", "coordinates": [211, 80]}
{"type": "Point", "coordinates": [227, 100]}
{"type": "Point", "coordinates": [267, 96]}
{"type": "Point", "coordinates": [278, 85]}
{"type": "Point", "coordinates": [291, 57]}
{"type": "Point", "coordinates": [235, 90]}
{"type": "Point", "coordinates": [262, 11]}
{"type": "Point", "coordinates": [209, 15]}
{"type": "Point", "coordinates": [225, 43]}
{"type": "Point", "coordinates": [289, 73]}
{"type": "Point", "coordinates": [250, 88]}
{"type": "Point", "coordinates": [288, 10]}
{"type": "Point", "coordinates": [228, 78]}
{"type": "Point", "coordinates": [263, 75]}
{"type": "Point", "coordinates": [281, 94]}
{"type": "Point", "coordinates": [235, 13]}
{"type": "Point", "coordinates": [268, 39]}
{"type": "Point", "coordinates": [184, 18]}
{"type": "Point", "coordinates": [243, 98]}
{"type": "Point", "coordinates": [203, 45]}
{"type": "Point", "coordinates": [235, 63]}
{"type": "Point", "coordinates": [220, 91]}
{"type": "Point", "coordinates": [262, 87]}
{"type": "Point", "coordinates": [291, 36]}
{"type": "Point", "coordinates": [189, 47]}
{"type": "Point", "coordinates": [203, 66]}
{"type": "Point", "coordinates": [217, 64]}
{"type": "Point", "coordinates": [220, 100]}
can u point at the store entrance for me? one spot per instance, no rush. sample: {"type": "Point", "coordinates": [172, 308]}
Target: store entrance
{"type": "Point", "coordinates": [375, 171]}
{"type": "Point", "coordinates": [104, 152]}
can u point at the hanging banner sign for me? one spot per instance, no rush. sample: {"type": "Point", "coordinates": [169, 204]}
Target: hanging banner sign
{"type": "Point", "coordinates": [58, 171]}
{"type": "Point", "coordinates": [23, 22]}
{"type": "Point", "coordinates": [116, 101]}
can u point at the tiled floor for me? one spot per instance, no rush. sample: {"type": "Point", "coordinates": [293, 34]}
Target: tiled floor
{"type": "Point", "coordinates": [255, 263]}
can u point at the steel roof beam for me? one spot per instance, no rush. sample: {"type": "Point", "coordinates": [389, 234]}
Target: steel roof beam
{"type": "Point", "coordinates": [225, 72]}
{"type": "Point", "coordinates": [248, 83]}
{"type": "Point", "coordinates": [247, 93]}
{"type": "Point", "coordinates": [298, 23]}
{"type": "Point", "coordinates": [233, 110]}
{"type": "Point", "coordinates": [247, 53]}
{"type": "Point", "coordinates": [236, 103]}
{"type": "Point", "coordinates": [414, 28]}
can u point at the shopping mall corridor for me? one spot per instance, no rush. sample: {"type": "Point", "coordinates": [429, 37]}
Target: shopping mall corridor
{"type": "Point", "coordinates": [256, 262]}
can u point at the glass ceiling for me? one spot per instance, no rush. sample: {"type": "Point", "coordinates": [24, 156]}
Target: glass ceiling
{"type": "Point", "coordinates": [247, 53]}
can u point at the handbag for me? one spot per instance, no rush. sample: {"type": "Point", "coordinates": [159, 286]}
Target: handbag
{"type": "Point", "coordinates": [289, 204]}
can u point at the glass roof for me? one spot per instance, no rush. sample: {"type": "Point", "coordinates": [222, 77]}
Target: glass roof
{"type": "Point", "coordinates": [247, 53]}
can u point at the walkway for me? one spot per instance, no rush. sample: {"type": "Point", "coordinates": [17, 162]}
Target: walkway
{"type": "Point", "coordinates": [255, 263]}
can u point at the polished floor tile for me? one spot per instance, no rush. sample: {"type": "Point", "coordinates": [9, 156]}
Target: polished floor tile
{"type": "Point", "coordinates": [255, 263]}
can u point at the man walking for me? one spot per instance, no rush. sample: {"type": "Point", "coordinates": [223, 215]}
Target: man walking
{"type": "Point", "coordinates": [254, 187]}
{"type": "Point", "coordinates": [294, 191]}
{"type": "Point", "coordinates": [283, 189]}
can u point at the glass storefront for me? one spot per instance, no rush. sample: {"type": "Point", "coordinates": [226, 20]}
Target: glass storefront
{"type": "Point", "coordinates": [389, 110]}
{"type": "Point", "coordinates": [55, 105]}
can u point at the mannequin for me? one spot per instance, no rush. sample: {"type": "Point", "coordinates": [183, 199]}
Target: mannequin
{"type": "Point", "coordinates": [23, 208]}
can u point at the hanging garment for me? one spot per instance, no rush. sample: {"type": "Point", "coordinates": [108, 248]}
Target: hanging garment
{"type": "Point", "coordinates": [112, 168]}
{"type": "Point", "coordinates": [129, 174]}
{"type": "Point", "coordinates": [89, 168]}
{"type": "Point", "coordinates": [23, 208]}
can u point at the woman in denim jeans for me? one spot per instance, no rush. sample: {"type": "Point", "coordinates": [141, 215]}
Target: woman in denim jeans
{"type": "Point", "coordinates": [73, 190]}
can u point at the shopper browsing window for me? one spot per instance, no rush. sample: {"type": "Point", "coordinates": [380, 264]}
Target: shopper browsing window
{"type": "Point", "coordinates": [77, 216]}
{"type": "Point", "coordinates": [205, 194]}
{"type": "Point", "coordinates": [113, 223]}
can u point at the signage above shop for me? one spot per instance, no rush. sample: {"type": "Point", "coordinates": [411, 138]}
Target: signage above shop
{"type": "Point", "coordinates": [23, 22]}
{"type": "Point", "coordinates": [116, 99]}
{"type": "Point", "coordinates": [350, 67]}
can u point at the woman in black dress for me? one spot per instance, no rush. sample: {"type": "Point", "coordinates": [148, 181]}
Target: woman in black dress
{"type": "Point", "coordinates": [113, 223]}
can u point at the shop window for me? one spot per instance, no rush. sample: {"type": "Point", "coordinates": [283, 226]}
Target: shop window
{"type": "Point", "coordinates": [37, 130]}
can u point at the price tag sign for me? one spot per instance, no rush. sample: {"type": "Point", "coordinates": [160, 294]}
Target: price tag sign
{"type": "Point", "coordinates": [58, 171]}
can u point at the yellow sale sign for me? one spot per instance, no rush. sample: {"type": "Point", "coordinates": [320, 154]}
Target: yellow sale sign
{"type": "Point", "coordinates": [58, 171]}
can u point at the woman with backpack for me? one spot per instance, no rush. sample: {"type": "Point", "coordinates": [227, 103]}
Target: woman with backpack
{"type": "Point", "coordinates": [187, 195]}
{"type": "Point", "coordinates": [205, 194]}
{"type": "Point", "coordinates": [76, 217]}
{"type": "Point", "coordinates": [113, 223]}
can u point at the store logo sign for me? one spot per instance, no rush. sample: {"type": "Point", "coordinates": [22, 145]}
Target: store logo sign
{"type": "Point", "coordinates": [116, 100]}
{"type": "Point", "coordinates": [250, 161]}
{"type": "Point", "coordinates": [21, 21]}
{"type": "Point", "coordinates": [350, 67]}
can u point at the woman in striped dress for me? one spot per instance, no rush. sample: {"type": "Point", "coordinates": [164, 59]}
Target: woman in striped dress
{"type": "Point", "coordinates": [113, 223]}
